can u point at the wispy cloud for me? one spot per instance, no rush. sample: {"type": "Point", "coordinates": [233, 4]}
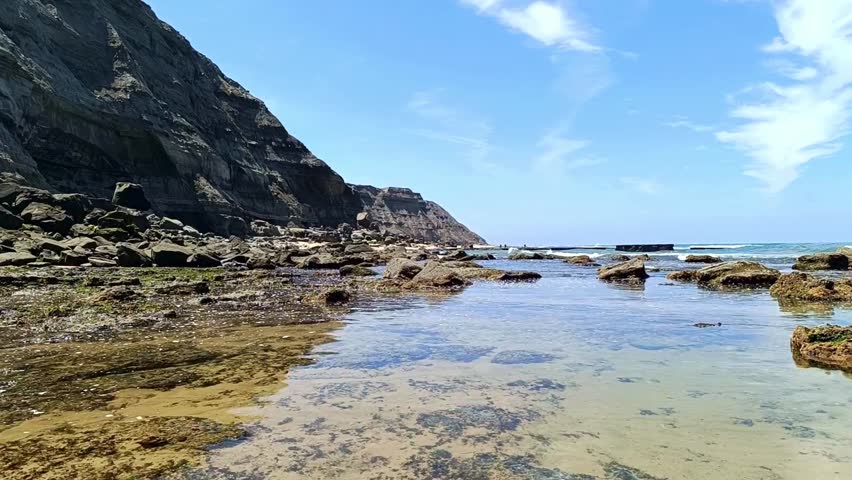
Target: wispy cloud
{"type": "Point", "coordinates": [451, 125]}
{"type": "Point", "coordinates": [806, 117]}
{"type": "Point", "coordinates": [560, 153]}
{"type": "Point", "coordinates": [642, 185]}
{"type": "Point", "coordinates": [549, 23]}
{"type": "Point", "coordinates": [683, 122]}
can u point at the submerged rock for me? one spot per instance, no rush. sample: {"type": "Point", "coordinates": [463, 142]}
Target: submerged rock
{"type": "Point", "coordinates": [631, 270]}
{"type": "Point", "coordinates": [828, 346]}
{"type": "Point", "coordinates": [583, 260]}
{"type": "Point", "coordinates": [730, 275]}
{"type": "Point", "coordinates": [702, 259]}
{"type": "Point", "coordinates": [822, 261]}
{"type": "Point", "coordinates": [356, 271]}
{"type": "Point", "coordinates": [802, 287]}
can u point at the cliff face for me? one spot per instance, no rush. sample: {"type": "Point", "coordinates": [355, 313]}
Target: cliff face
{"type": "Point", "coordinates": [94, 92]}
{"type": "Point", "coordinates": [98, 91]}
{"type": "Point", "coordinates": [402, 211]}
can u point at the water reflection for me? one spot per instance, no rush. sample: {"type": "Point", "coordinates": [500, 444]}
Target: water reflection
{"type": "Point", "coordinates": [564, 379]}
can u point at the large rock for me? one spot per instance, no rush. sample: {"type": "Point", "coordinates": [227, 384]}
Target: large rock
{"type": "Point", "coordinates": [129, 256]}
{"type": "Point", "coordinates": [631, 270]}
{"type": "Point", "coordinates": [802, 287]}
{"type": "Point", "coordinates": [730, 275]}
{"type": "Point", "coordinates": [126, 219]}
{"type": "Point", "coordinates": [401, 269]}
{"type": "Point", "coordinates": [827, 346]}
{"type": "Point", "coordinates": [822, 261]}
{"type": "Point", "coordinates": [48, 217]}
{"type": "Point", "coordinates": [401, 211]}
{"type": "Point", "coordinates": [167, 254]}
{"type": "Point", "coordinates": [130, 195]}
{"type": "Point", "coordinates": [16, 258]}
{"type": "Point", "coordinates": [702, 259]}
{"type": "Point", "coordinates": [9, 220]}
{"type": "Point", "coordinates": [435, 274]}
{"type": "Point", "coordinates": [525, 255]}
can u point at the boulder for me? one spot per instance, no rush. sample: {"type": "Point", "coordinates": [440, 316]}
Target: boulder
{"type": "Point", "coordinates": [102, 262]}
{"type": "Point", "coordinates": [48, 217]}
{"type": "Point", "coordinates": [631, 270]}
{"type": "Point", "coordinates": [72, 258]}
{"type": "Point", "coordinates": [322, 261]}
{"type": "Point", "coordinates": [82, 242]}
{"type": "Point", "coordinates": [802, 287]}
{"type": "Point", "coordinates": [75, 204]}
{"type": "Point", "coordinates": [130, 195]}
{"type": "Point", "coordinates": [525, 255]}
{"type": "Point", "coordinates": [730, 275]}
{"type": "Point", "coordinates": [167, 223]}
{"type": "Point", "coordinates": [16, 258]}
{"type": "Point", "coordinates": [125, 219]}
{"type": "Point", "coordinates": [49, 244]}
{"type": "Point", "coordinates": [335, 297]}
{"type": "Point", "coordinates": [584, 260]}
{"type": "Point", "coordinates": [702, 259]}
{"type": "Point", "coordinates": [167, 254]}
{"type": "Point", "coordinates": [435, 274]}
{"type": "Point", "coordinates": [822, 261]}
{"type": "Point", "coordinates": [352, 249]}
{"type": "Point", "coordinates": [356, 271]}
{"type": "Point", "coordinates": [203, 260]}
{"type": "Point", "coordinates": [9, 220]}
{"type": "Point", "coordinates": [129, 256]}
{"type": "Point", "coordinates": [826, 346]}
{"type": "Point", "coordinates": [401, 269]}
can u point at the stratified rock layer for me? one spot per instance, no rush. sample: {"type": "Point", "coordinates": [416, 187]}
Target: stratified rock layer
{"type": "Point", "coordinates": [93, 92]}
{"type": "Point", "coordinates": [401, 211]}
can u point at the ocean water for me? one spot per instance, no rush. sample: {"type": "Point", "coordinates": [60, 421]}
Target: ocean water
{"type": "Point", "coordinates": [566, 378]}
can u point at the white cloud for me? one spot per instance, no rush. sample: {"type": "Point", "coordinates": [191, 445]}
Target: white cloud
{"type": "Point", "coordinates": [451, 125]}
{"type": "Point", "coordinates": [547, 22]}
{"type": "Point", "coordinates": [789, 125]}
{"type": "Point", "coordinates": [683, 122]}
{"type": "Point", "coordinates": [558, 154]}
{"type": "Point", "coordinates": [641, 185]}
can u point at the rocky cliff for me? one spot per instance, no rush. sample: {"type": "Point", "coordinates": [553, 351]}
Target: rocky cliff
{"type": "Point", "coordinates": [402, 211]}
{"type": "Point", "coordinates": [98, 91]}
{"type": "Point", "coordinates": [94, 92]}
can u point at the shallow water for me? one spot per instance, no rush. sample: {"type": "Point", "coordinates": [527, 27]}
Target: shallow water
{"type": "Point", "coordinates": [568, 378]}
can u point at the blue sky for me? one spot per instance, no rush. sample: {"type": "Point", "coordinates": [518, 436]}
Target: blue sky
{"type": "Point", "coordinates": [560, 122]}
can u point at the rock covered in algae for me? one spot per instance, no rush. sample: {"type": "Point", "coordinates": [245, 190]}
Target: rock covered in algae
{"type": "Point", "coordinates": [825, 346]}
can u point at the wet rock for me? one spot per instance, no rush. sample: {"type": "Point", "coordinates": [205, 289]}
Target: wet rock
{"type": "Point", "coordinates": [16, 258]}
{"type": "Point", "coordinates": [112, 294]}
{"type": "Point", "coordinates": [335, 297]}
{"type": "Point", "coordinates": [322, 261]}
{"type": "Point", "coordinates": [260, 262]}
{"type": "Point", "coordinates": [356, 271]}
{"type": "Point", "coordinates": [524, 255]}
{"type": "Point", "coordinates": [130, 195]}
{"type": "Point", "coordinates": [9, 220]}
{"type": "Point", "coordinates": [822, 261]}
{"type": "Point", "coordinates": [434, 274]}
{"type": "Point", "coordinates": [513, 276]}
{"type": "Point", "coordinates": [618, 258]}
{"type": "Point", "coordinates": [167, 254]}
{"type": "Point", "coordinates": [826, 346]}
{"type": "Point", "coordinates": [730, 275]}
{"type": "Point", "coordinates": [48, 217]}
{"type": "Point", "coordinates": [632, 270]}
{"type": "Point", "coordinates": [803, 287]}
{"type": "Point", "coordinates": [702, 259]}
{"type": "Point", "coordinates": [518, 357]}
{"type": "Point", "coordinates": [583, 260]}
{"type": "Point", "coordinates": [401, 269]}
{"type": "Point", "coordinates": [129, 256]}
{"type": "Point", "coordinates": [707, 325]}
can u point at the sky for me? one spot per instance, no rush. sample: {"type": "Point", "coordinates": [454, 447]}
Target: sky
{"type": "Point", "coordinates": [564, 122]}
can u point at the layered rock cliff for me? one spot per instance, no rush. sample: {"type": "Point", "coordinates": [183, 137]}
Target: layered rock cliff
{"type": "Point", "coordinates": [98, 91]}
{"type": "Point", "coordinates": [94, 92]}
{"type": "Point", "coordinates": [404, 212]}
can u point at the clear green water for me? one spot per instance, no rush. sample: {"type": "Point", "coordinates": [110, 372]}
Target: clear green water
{"type": "Point", "coordinates": [568, 378]}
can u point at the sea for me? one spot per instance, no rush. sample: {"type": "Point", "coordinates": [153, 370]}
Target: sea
{"type": "Point", "coordinates": [565, 378]}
